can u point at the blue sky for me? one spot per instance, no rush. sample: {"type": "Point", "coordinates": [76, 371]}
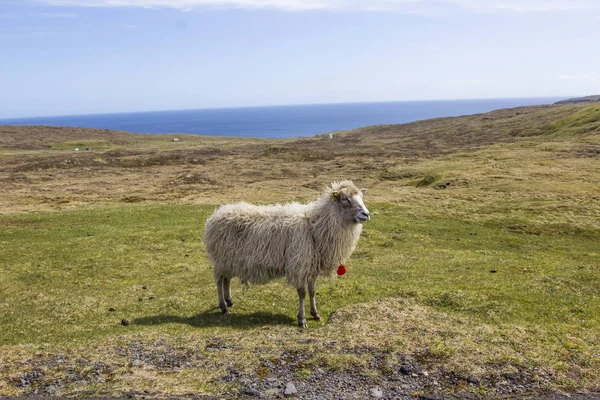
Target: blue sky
{"type": "Point", "coordinates": [61, 57]}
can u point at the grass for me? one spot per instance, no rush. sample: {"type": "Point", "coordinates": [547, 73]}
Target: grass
{"type": "Point", "coordinates": [481, 258]}
{"type": "Point", "coordinates": [83, 144]}
{"type": "Point", "coordinates": [63, 271]}
{"type": "Point", "coordinates": [583, 121]}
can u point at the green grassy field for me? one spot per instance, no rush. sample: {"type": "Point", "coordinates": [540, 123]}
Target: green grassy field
{"type": "Point", "coordinates": [62, 272]}
{"type": "Point", "coordinates": [478, 263]}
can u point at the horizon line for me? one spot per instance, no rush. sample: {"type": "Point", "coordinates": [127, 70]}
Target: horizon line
{"type": "Point", "coordinates": [6, 119]}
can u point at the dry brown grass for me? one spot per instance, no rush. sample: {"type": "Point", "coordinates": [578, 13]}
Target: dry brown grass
{"type": "Point", "coordinates": [479, 151]}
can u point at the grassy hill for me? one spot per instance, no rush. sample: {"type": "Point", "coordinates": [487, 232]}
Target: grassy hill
{"type": "Point", "coordinates": [585, 99]}
{"type": "Point", "coordinates": [477, 274]}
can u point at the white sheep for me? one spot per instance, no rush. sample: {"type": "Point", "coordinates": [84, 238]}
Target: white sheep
{"type": "Point", "coordinates": [299, 241]}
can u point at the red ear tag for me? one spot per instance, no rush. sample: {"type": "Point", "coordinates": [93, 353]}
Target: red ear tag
{"type": "Point", "coordinates": [341, 270]}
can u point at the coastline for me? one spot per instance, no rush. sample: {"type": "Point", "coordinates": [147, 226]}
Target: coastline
{"type": "Point", "coordinates": [285, 121]}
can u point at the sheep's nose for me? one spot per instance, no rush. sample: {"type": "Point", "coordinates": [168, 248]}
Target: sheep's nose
{"type": "Point", "coordinates": [367, 213]}
{"type": "Point", "coordinates": [363, 215]}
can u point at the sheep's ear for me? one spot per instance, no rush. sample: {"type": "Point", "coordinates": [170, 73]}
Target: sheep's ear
{"type": "Point", "coordinates": [363, 190]}
{"type": "Point", "coordinates": [335, 195]}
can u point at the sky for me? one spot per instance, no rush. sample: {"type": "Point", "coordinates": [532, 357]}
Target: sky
{"type": "Point", "coordinates": [66, 57]}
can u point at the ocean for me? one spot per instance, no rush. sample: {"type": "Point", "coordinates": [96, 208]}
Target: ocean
{"type": "Point", "coordinates": [280, 121]}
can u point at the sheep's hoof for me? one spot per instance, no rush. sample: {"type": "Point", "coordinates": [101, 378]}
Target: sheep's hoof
{"type": "Point", "coordinates": [302, 324]}
{"type": "Point", "coordinates": [317, 317]}
{"type": "Point", "coordinates": [224, 310]}
{"type": "Point", "coordinates": [229, 302]}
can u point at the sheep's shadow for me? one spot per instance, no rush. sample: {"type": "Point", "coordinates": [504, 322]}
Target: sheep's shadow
{"type": "Point", "coordinates": [214, 317]}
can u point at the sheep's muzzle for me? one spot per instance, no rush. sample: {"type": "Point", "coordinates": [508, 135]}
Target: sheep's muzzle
{"type": "Point", "coordinates": [362, 216]}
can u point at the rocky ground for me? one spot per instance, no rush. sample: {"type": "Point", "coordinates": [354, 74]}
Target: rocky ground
{"type": "Point", "coordinates": [409, 381]}
{"type": "Point", "coordinates": [292, 377]}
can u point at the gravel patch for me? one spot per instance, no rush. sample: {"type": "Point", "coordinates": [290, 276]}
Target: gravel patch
{"type": "Point", "coordinates": [409, 378]}
{"type": "Point", "coordinates": [386, 375]}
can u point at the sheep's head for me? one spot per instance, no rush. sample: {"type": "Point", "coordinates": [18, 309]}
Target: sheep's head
{"type": "Point", "coordinates": [349, 200]}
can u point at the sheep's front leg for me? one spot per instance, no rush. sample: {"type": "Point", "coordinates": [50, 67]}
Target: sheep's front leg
{"type": "Point", "coordinates": [312, 288]}
{"type": "Point", "coordinates": [301, 316]}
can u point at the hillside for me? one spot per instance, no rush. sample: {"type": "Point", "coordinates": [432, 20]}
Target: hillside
{"type": "Point", "coordinates": [576, 100]}
{"type": "Point", "coordinates": [45, 137]}
{"type": "Point", "coordinates": [209, 169]}
{"type": "Point", "coordinates": [476, 277]}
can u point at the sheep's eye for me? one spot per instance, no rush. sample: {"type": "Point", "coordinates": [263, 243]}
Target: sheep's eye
{"type": "Point", "coordinates": [345, 198]}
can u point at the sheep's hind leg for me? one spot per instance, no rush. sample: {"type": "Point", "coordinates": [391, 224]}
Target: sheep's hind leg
{"type": "Point", "coordinates": [312, 288]}
{"type": "Point", "coordinates": [301, 316]}
{"type": "Point", "coordinates": [227, 290]}
{"type": "Point", "coordinates": [221, 294]}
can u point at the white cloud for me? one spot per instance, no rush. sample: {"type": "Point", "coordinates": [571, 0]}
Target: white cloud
{"type": "Point", "coordinates": [545, 5]}
{"type": "Point", "coordinates": [577, 77]}
{"type": "Point", "coordinates": [522, 6]}
{"type": "Point", "coordinates": [186, 5]}
{"type": "Point", "coordinates": [474, 82]}
{"type": "Point", "coordinates": [477, 6]}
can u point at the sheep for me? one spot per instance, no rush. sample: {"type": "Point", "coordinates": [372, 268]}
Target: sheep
{"type": "Point", "coordinates": [297, 241]}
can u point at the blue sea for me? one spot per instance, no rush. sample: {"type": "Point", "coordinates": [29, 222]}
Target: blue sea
{"type": "Point", "coordinates": [279, 121]}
